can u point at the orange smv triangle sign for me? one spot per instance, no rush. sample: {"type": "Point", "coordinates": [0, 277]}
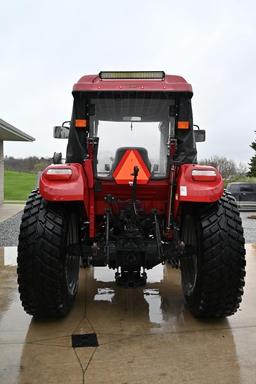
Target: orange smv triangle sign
{"type": "Point", "coordinates": [123, 171]}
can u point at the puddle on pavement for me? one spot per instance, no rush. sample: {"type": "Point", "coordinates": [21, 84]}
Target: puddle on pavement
{"type": "Point", "coordinates": [160, 302]}
{"type": "Point", "coordinates": [101, 284]}
{"type": "Point", "coordinates": [156, 309]}
{"type": "Point", "coordinates": [10, 308]}
{"type": "Point", "coordinates": [104, 294]}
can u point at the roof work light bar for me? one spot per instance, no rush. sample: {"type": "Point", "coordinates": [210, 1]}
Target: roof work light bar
{"type": "Point", "coordinates": [153, 75]}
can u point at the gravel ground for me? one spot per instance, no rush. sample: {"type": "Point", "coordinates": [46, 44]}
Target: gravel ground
{"type": "Point", "coordinates": [9, 229]}
{"type": "Point", "coordinates": [249, 226]}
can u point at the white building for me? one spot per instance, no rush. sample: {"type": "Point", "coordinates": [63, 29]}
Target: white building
{"type": "Point", "coordinates": [8, 133]}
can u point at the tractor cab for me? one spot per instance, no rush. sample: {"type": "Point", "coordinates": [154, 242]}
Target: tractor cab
{"type": "Point", "coordinates": [131, 116]}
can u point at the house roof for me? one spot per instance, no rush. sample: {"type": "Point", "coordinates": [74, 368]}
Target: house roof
{"type": "Point", "coordinates": [9, 133]}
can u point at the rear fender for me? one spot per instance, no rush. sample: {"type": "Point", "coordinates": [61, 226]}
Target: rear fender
{"type": "Point", "coordinates": [197, 189]}
{"type": "Point", "coordinates": [64, 187]}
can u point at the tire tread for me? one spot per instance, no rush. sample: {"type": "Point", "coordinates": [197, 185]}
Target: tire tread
{"type": "Point", "coordinates": [40, 259]}
{"type": "Point", "coordinates": [223, 266]}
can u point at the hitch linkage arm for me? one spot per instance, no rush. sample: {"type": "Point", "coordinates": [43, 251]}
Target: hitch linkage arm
{"type": "Point", "coordinates": [134, 188]}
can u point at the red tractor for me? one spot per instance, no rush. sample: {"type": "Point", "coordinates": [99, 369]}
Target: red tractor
{"type": "Point", "coordinates": [131, 196]}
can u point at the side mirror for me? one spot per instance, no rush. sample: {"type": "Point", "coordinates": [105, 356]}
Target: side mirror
{"type": "Point", "coordinates": [60, 132]}
{"type": "Point", "coordinates": [57, 157]}
{"type": "Point", "coordinates": [199, 135]}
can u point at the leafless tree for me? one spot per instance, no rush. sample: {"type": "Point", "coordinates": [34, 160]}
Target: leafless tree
{"type": "Point", "coordinates": [227, 168]}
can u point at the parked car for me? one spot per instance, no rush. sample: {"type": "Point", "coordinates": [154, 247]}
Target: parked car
{"type": "Point", "coordinates": [245, 195]}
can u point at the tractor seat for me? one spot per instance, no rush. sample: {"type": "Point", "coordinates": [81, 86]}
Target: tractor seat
{"type": "Point", "coordinates": [121, 151]}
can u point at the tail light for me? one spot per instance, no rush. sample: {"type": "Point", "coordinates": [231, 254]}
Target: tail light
{"type": "Point", "coordinates": [58, 173]}
{"type": "Point", "coordinates": [204, 175]}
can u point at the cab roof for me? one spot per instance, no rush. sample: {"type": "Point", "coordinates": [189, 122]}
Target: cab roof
{"type": "Point", "coordinates": [133, 81]}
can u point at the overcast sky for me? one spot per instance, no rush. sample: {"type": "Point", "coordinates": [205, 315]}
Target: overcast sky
{"type": "Point", "coordinates": [47, 46]}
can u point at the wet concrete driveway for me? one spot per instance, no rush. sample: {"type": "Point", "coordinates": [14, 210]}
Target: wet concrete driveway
{"type": "Point", "coordinates": [145, 335]}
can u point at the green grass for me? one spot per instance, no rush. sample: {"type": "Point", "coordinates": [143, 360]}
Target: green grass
{"type": "Point", "coordinates": [18, 185]}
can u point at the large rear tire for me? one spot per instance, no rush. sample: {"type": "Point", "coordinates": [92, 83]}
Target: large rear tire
{"type": "Point", "coordinates": [48, 257]}
{"type": "Point", "coordinates": [213, 263]}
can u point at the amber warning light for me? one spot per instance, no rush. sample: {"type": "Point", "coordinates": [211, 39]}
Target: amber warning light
{"type": "Point", "coordinates": [80, 123]}
{"type": "Point", "coordinates": [183, 124]}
